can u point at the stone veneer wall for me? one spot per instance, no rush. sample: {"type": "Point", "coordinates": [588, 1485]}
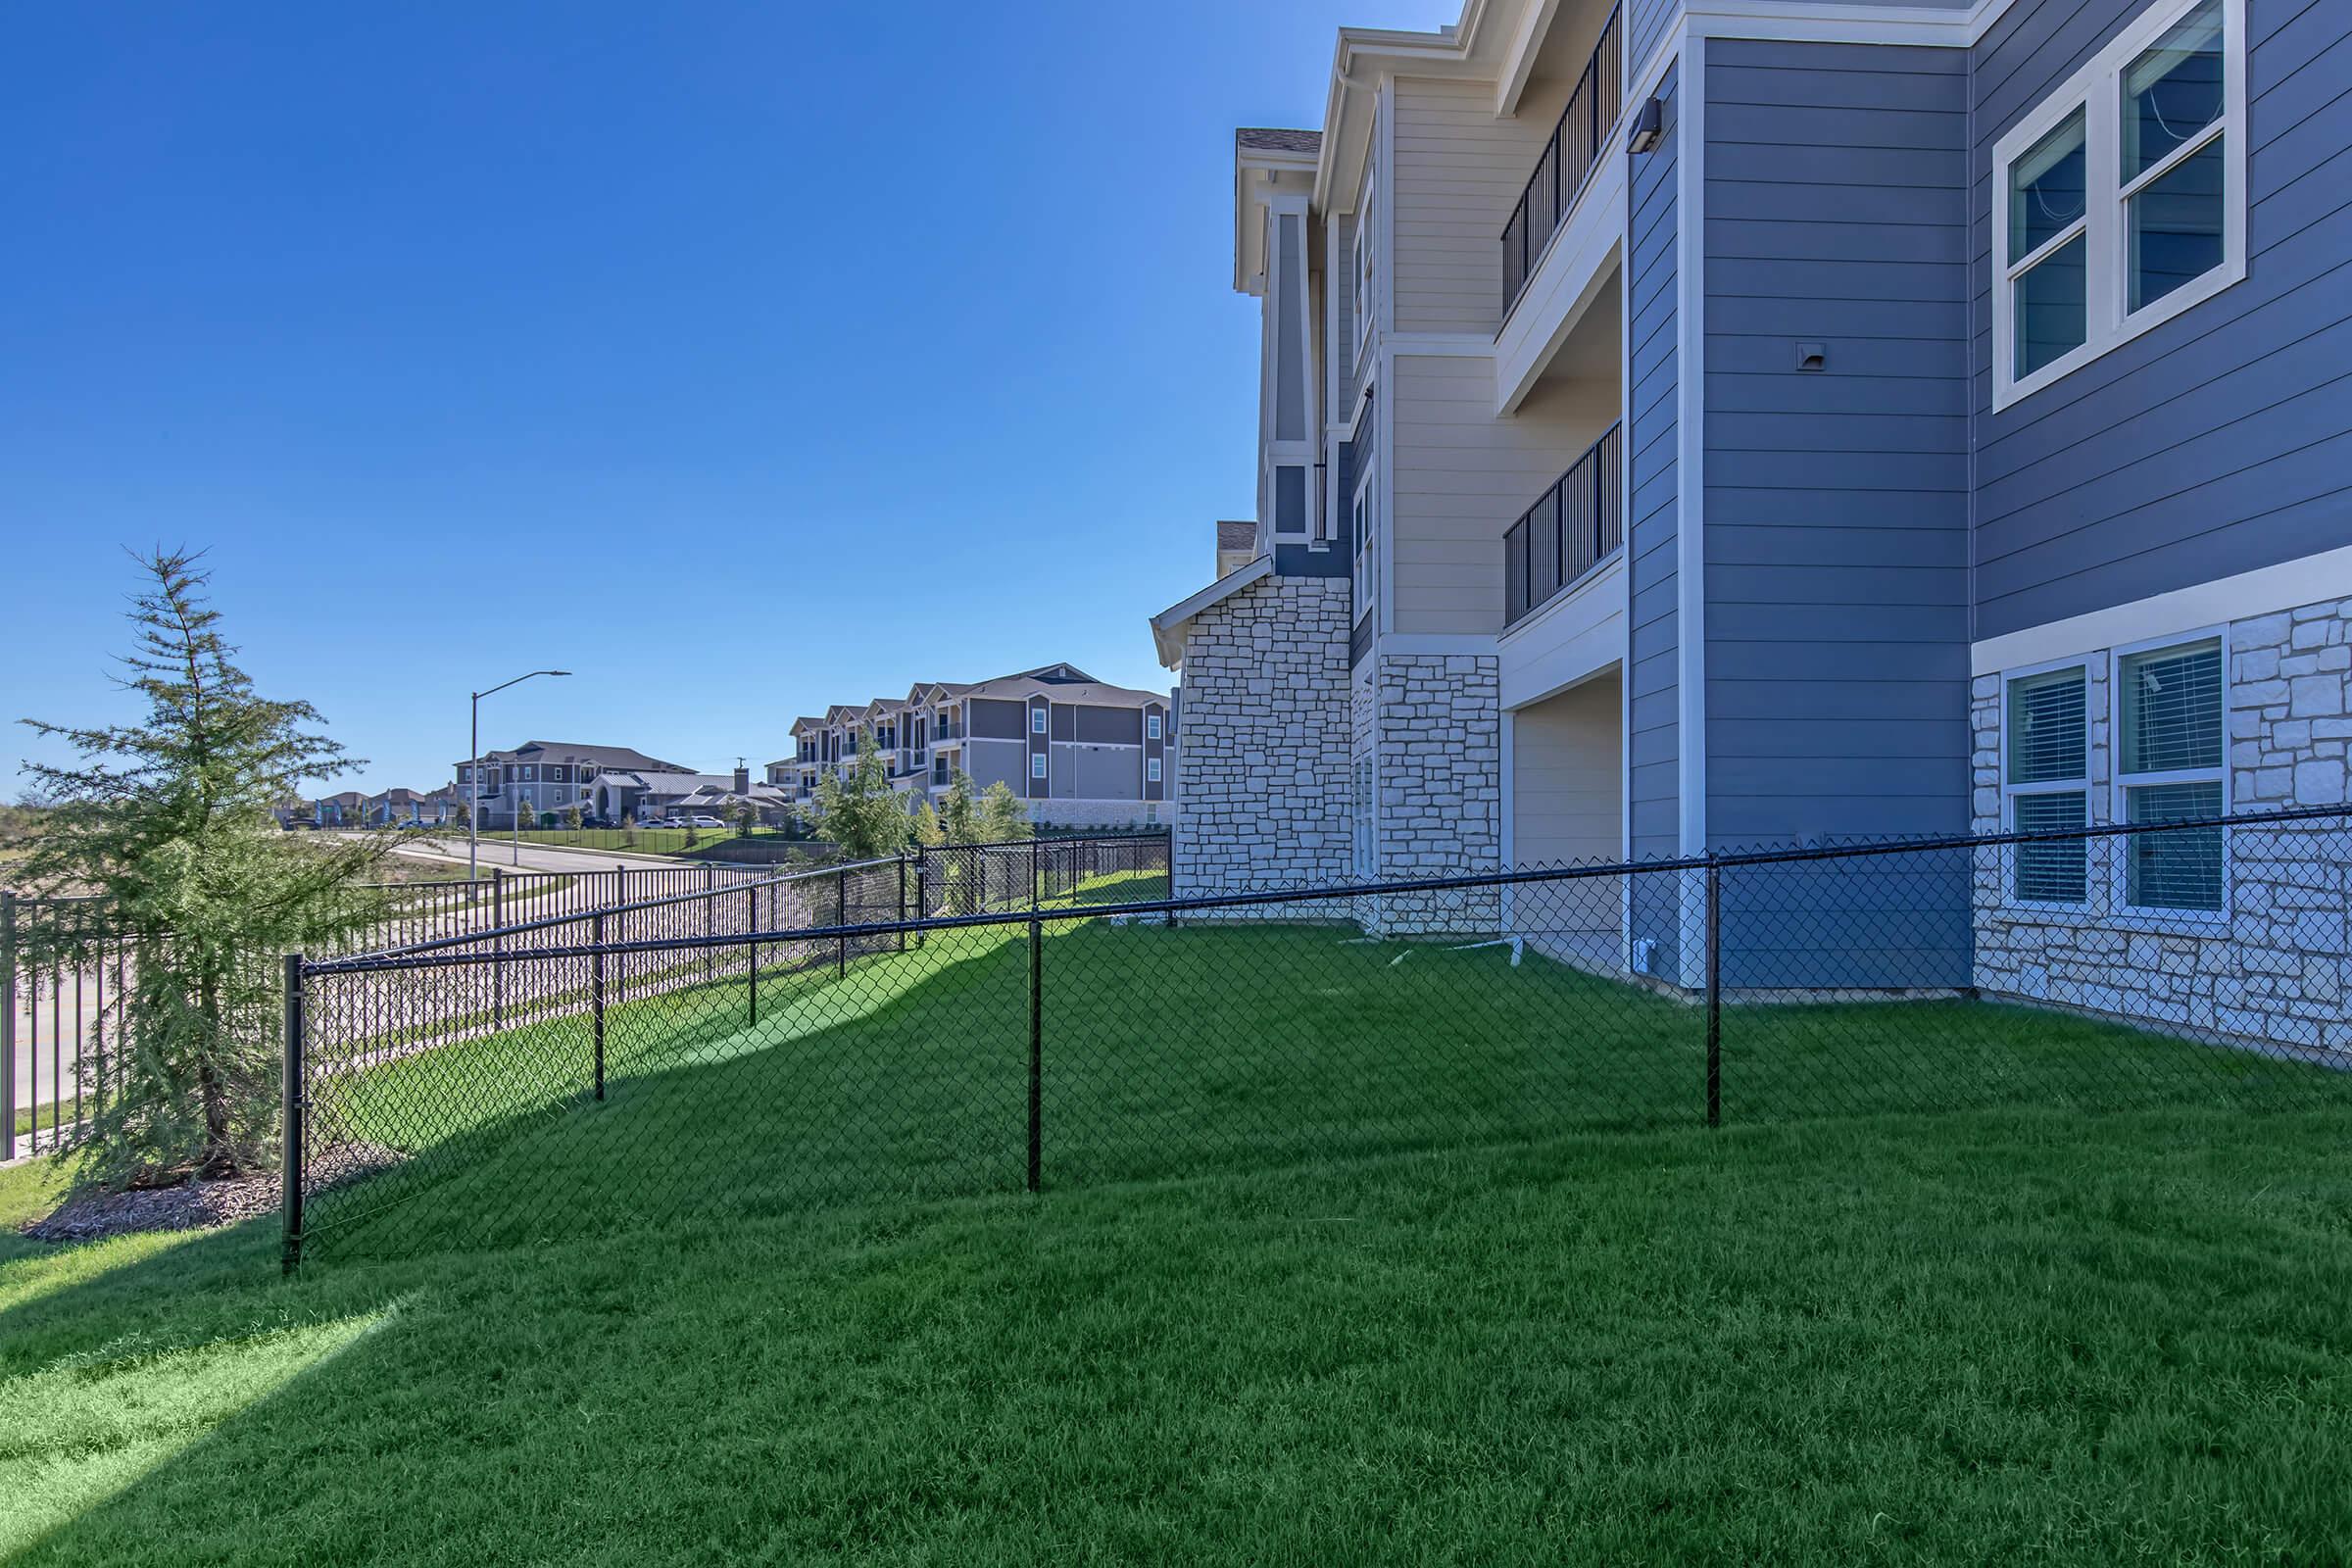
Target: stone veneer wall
{"type": "Point", "coordinates": [1072, 811]}
{"type": "Point", "coordinates": [1262, 792]}
{"type": "Point", "coordinates": [1439, 789]}
{"type": "Point", "coordinates": [2275, 970]}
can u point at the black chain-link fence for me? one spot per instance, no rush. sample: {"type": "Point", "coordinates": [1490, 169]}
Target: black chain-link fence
{"type": "Point", "coordinates": [818, 1049]}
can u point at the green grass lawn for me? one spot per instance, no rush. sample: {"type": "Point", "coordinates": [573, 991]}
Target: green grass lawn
{"type": "Point", "coordinates": [1348, 1253]}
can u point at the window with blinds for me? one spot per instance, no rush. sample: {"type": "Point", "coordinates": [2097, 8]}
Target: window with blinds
{"type": "Point", "coordinates": [2046, 779]}
{"type": "Point", "coordinates": [2169, 747]}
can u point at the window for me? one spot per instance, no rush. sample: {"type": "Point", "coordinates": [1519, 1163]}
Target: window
{"type": "Point", "coordinates": [1037, 720]}
{"type": "Point", "coordinates": [1367, 549]}
{"type": "Point", "coordinates": [2169, 753]}
{"type": "Point", "coordinates": [2046, 780]}
{"type": "Point", "coordinates": [2122, 201]}
{"type": "Point", "coordinates": [1037, 765]}
{"type": "Point", "coordinates": [1151, 769]}
{"type": "Point", "coordinates": [1364, 229]}
{"type": "Point", "coordinates": [1150, 726]}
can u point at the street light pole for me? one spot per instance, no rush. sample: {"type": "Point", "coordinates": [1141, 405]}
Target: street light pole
{"type": "Point", "coordinates": [474, 777]}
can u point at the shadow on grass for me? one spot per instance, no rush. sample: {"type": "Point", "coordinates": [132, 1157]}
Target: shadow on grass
{"type": "Point", "coordinates": [1162, 1053]}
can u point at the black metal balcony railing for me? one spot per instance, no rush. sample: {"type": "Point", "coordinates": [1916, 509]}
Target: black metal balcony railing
{"type": "Point", "coordinates": [1573, 527]}
{"type": "Point", "coordinates": [1566, 163]}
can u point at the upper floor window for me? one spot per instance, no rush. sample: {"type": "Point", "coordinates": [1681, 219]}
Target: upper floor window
{"type": "Point", "coordinates": [1037, 765]}
{"type": "Point", "coordinates": [2121, 200]}
{"type": "Point", "coordinates": [1367, 549]}
{"type": "Point", "coordinates": [1361, 272]}
{"type": "Point", "coordinates": [1150, 726]}
{"type": "Point", "coordinates": [1151, 769]}
{"type": "Point", "coordinates": [1037, 721]}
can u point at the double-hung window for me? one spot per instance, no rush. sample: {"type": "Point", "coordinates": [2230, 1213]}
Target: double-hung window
{"type": "Point", "coordinates": [1362, 300]}
{"type": "Point", "coordinates": [1037, 721]}
{"type": "Point", "coordinates": [1367, 549]}
{"type": "Point", "coordinates": [1151, 769]}
{"type": "Point", "coordinates": [1150, 726]}
{"type": "Point", "coordinates": [2121, 200]}
{"type": "Point", "coordinates": [1037, 765]}
{"type": "Point", "coordinates": [2047, 780]}
{"type": "Point", "coordinates": [2169, 722]}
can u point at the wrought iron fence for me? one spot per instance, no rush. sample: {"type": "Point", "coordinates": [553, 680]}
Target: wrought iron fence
{"type": "Point", "coordinates": [1573, 527]}
{"type": "Point", "coordinates": [772, 1064]}
{"type": "Point", "coordinates": [1566, 162]}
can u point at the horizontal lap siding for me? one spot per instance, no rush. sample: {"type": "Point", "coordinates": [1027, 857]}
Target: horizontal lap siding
{"type": "Point", "coordinates": [2222, 440]}
{"type": "Point", "coordinates": [1836, 501]}
{"type": "Point", "coordinates": [1652, 510]}
{"type": "Point", "coordinates": [1462, 477]}
{"type": "Point", "coordinates": [1457, 172]}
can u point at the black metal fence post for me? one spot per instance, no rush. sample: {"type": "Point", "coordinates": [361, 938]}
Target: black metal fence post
{"type": "Point", "coordinates": [1037, 1054]}
{"type": "Point", "coordinates": [902, 901]}
{"type": "Point", "coordinates": [596, 994]}
{"type": "Point", "coordinates": [1033, 872]}
{"type": "Point", "coordinates": [1714, 991]}
{"type": "Point", "coordinates": [751, 904]}
{"type": "Point", "coordinates": [290, 1108]}
{"type": "Point", "coordinates": [709, 902]}
{"type": "Point", "coordinates": [498, 948]}
{"type": "Point", "coordinates": [840, 917]}
{"type": "Point", "coordinates": [8, 1025]}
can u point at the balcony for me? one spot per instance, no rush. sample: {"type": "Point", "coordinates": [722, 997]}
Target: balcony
{"type": "Point", "coordinates": [1565, 166]}
{"type": "Point", "coordinates": [1572, 528]}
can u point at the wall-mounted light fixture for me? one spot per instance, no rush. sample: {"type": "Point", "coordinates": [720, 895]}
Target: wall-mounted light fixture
{"type": "Point", "coordinates": [1649, 124]}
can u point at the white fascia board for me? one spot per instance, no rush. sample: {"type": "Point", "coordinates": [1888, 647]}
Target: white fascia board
{"type": "Point", "coordinates": [1168, 626]}
{"type": "Point", "coordinates": [2264, 591]}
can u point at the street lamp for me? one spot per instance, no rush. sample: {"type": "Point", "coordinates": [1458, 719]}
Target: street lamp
{"type": "Point", "coordinates": [473, 773]}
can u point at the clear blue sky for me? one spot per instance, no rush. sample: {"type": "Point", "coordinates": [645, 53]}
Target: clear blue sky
{"type": "Point", "coordinates": [741, 357]}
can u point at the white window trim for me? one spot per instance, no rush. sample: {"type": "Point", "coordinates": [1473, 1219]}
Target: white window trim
{"type": "Point", "coordinates": [1037, 765]}
{"type": "Point", "coordinates": [1152, 726]}
{"type": "Point", "coordinates": [1363, 519]}
{"type": "Point", "coordinates": [2091, 874]}
{"type": "Point", "coordinates": [1037, 721]}
{"type": "Point", "coordinates": [2149, 917]}
{"type": "Point", "coordinates": [1364, 265]}
{"type": "Point", "coordinates": [2096, 89]}
{"type": "Point", "coordinates": [1151, 769]}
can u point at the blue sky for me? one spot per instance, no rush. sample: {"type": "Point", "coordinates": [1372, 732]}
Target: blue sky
{"type": "Point", "coordinates": [740, 358]}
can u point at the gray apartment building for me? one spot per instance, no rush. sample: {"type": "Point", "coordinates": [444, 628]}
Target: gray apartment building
{"type": "Point", "coordinates": [543, 776]}
{"type": "Point", "coordinates": [1081, 752]}
{"type": "Point", "coordinates": [1690, 426]}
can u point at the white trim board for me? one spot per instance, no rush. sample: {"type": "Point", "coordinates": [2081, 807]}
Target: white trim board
{"type": "Point", "coordinates": [2264, 591]}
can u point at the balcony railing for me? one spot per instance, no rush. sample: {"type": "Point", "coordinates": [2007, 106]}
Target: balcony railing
{"type": "Point", "coordinates": [1573, 527]}
{"type": "Point", "coordinates": [1566, 163]}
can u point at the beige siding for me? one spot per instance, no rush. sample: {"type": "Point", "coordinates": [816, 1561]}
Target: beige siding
{"type": "Point", "coordinates": [1462, 477]}
{"type": "Point", "coordinates": [1459, 172]}
{"type": "Point", "coordinates": [1565, 772]}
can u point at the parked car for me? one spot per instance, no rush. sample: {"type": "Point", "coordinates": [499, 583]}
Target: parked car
{"type": "Point", "coordinates": [304, 824]}
{"type": "Point", "coordinates": [413, 825]}
{"type": "Point", "coordinates": [703, 819]}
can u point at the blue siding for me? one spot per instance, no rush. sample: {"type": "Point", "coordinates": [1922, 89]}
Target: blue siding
{"type": "Point", "coordinates": [1836, 501]}
{"type": "Point", "coordinates": [1652, 751]}
{"type": "Point", "coordinates": [2222, 440]}
{"type": "Point", "coordinates": [1645, 24]}
{"type": "Point", "coordinates": [1837, 528]}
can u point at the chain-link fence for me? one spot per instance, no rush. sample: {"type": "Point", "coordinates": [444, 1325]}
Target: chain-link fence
{"type": "Point", "coordinates": [818, 1049]}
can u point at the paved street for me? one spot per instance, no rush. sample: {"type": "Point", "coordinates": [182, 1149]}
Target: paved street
{"type": "Point", "coordinates": [497, 851]}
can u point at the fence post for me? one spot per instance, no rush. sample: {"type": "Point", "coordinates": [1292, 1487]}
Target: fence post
{"type": "Point", "coordinates": [840, 917]}
{"type": "Point", "coordinates": [1033, 869]}
{"type": "Point", "coordinates": [902, 901]}
{"type": "Point", "coordinates": [751, 904]}
{"type": "Point", "coordinates": [1037, 1055]}
{"type": "Point", "coordinates": [498, 947]}
{"type": "Point", "coordinates": [291, 1103]}
{"type": "Point", "coordinates": [710, 957]}
{"type": "Point", "coordinates": [922, 890]}
{"type": "Point", "coordinates": [1714, 991]}
{"type": "Point", "coordinates": [8, 1024]}
{"type": "Point", "coordinates": [595, 993]}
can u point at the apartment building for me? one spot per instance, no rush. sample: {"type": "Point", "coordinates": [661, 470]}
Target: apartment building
{"type": "Point", "coordinates": [543, 776]}
{"type": "Point", "coordinates": [1081, 752]}
{"type": "Point", "coordinates": [1690, 426]}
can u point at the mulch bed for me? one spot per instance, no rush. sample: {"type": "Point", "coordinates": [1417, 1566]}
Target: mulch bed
{"type": "Point", "coordinates": [190, 1206]}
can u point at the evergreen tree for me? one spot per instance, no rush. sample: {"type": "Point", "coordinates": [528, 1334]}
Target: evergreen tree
{"type": "Point", "coordinates": [960, 813]}
{"type": "Point", "coordinates": [1004, 817]}
{"type": "Point", "coordinates": [167, 821]}
{"type": "Point", "coordinates": [927, 831]}
{"type": "Point", "coordinates": [860, 814]}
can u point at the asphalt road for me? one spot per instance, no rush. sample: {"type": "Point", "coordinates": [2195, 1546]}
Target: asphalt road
{"type": "Point", "coordinates": [497, 851]}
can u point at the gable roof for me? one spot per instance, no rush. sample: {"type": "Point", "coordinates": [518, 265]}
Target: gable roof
{"type": "Point", "coordinates": [563, 751]}
{"type": "Point", "coordinates": [1278, 139]}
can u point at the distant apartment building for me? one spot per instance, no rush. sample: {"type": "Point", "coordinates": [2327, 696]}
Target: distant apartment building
{"type": "Point", "coordinates": [1688, 427]}
{"type": "Point", "coordinates": [1081, 752]}
{"type": "Point", "coordinates": [540, 777]}
{"type": "Point", "coordinates": [393, 807]}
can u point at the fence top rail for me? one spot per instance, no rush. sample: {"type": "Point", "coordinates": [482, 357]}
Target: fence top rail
{"type": "Point", "coordinates": [576, 916]}
{"type": "Point", "coordinates": [419, 957]}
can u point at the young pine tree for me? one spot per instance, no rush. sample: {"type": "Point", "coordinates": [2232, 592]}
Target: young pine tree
{"type": "Point", "coordinates": [1004, 818]}
{"type": "Point", "coordinates": [860, 814]}
{"type": "Point", "coordinates": [167, 821]}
